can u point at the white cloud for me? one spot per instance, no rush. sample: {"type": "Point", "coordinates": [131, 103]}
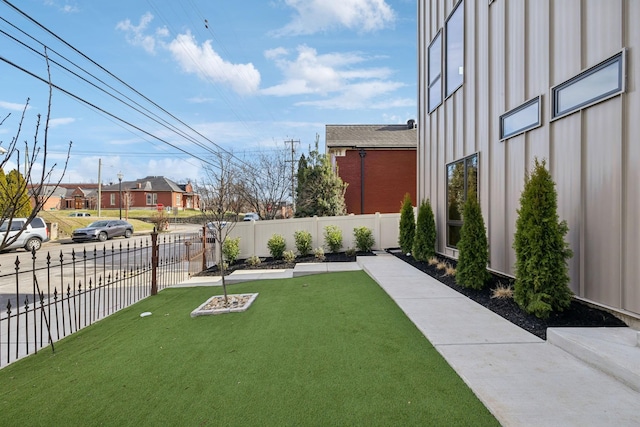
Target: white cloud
{"type": "Point", "coordinates": [61, 121]}
{"type": "Point", "coordinates": [12, 106]}
{"type": "Point", "coordinates": [193, 58]}
{"type": "Point", "coordinates": [66, 8]}
{"type": "Point", "coordinates": [207, 64]}
{"type": "Point", "coordinates": [313, 16]}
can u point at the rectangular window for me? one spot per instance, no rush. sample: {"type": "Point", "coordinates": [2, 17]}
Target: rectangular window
{"type": "Point", "coordinates": [152, 199]}
{"type": "Point", "coordinates": [112, 199]}
{"type": "Point", "coordinates": [178, 200]}
{"type": "Point", "coordinates": [596, 84]}
{"type": "Point", "coordinates": [462, 182]}
{"type": "Point", "coordinates": [435, 72]}
{"type": "Point", "coordinates": [454, 49]}
{"type": "Point", "coordinates": [520, 119]}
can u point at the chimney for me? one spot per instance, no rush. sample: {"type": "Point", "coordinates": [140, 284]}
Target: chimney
{"type": "Point", "coordinates": [411, 124]}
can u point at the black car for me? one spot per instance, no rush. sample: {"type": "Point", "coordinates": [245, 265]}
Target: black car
{"type": "Point", "coordinates": [103, 230]}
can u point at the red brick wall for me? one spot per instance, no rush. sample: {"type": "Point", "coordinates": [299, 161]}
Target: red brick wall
{"type": "Point", "coordinates": [388, 175]}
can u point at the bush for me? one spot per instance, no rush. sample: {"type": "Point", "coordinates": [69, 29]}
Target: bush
{"type": "Point", "coordinates": [424, 241]}
{"type": "Point", "coordinates": [277, 246]}
{"type": "Point", "coordinates": [471, 271]}
{"type": "Point", "coordinates": [333, 238]}
{"type": "Point", "coordinates": [253, 261]}
{"type": "Point", "coordinates": [407, 225]}
{"type": "Point", "coordinates": [542, 277]}
{"type": "Point", "coordinates": [289, 256]}
{"type": "Point", "coordinates": [319, 254]}
{"type": "Point", "coordinates": [350, 252]}
{"type": "Point", "coordinates": [303, 242]}
{"type": "Point", "coordinates": [364, 238]}
{"type": "Point", "coordinates": [231, 249]}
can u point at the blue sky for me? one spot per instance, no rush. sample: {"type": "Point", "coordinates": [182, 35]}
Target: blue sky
{"type": "Point", "coordinates": [241, 75]}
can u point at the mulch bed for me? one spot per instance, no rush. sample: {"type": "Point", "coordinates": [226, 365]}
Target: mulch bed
{"type": "Point", "coordinates": [577, 315]}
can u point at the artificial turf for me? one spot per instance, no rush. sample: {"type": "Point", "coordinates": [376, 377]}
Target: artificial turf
{"type": "Point", "coordinates": [330, 349]}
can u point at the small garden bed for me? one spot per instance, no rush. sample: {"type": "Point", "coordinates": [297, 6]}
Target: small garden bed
{"type": "Point", "coordinates": [577, 315]}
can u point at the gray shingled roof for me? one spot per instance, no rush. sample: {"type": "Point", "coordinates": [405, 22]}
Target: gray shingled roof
{"type": "Point", "coordinates": [150, 183]}
{"type": "Point", "coordinates": [371, 136]}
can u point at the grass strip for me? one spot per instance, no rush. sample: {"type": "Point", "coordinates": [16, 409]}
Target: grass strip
{"type": "Point", "coordinates": [329, 349]}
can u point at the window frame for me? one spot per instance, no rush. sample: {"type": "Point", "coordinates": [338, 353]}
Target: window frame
{"type": "Point", "coordinates": [455, 222]}
{"type": "Point", "coordinates": [619, 57]}
{"type": "Point", "coordinates": [450, 91]}
{"type": "Point", "coordinates": [431, 82]}
{"type": "Point", "coordinates": [112, 199]}
{"type": "Point", "coordinates": [514, 111]}
{"type": "Point", "coordinates": [151, 199]}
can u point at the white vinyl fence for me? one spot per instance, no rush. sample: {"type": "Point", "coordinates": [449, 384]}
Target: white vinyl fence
{"type": "Point", "coordinates": [254, 235]}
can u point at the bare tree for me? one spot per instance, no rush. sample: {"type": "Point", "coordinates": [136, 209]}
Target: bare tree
{"type": "Point", "coordinates": [218, 191]}
{"type": "Point", "coordinates": [265, 183]}
{"type": "Point", "coordinates": [39, 185]}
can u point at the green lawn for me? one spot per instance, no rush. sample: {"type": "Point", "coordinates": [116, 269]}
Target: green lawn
{"type": "Point", "coordinates": [321, 350]}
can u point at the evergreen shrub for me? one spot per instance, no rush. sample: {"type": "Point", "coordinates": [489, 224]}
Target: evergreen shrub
{"type": "Point", "coordinates": [424, 242]}
{"type": "Point", "coordinates": [407, 225]}
{"type": "Point", "coordinates": [231, 249]}
{"type": "Point", "coordinates": [542, 272]}
{"type": "Point", "coordinates": [473, 257]}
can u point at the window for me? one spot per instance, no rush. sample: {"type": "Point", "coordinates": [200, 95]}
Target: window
{"type": "Point", "coordinates": [435, 72]}
{"type": "Point", "coordinates": [112, 199]}
{"type": "Point", "coordinates": [462, 182]}
{"type": "Point", "coordinates": [454, 49]}
{"type": "Point", "coordinates": [593, 85]}
{"type": "Point", "coordinates": [520, 119]}
{"type": "Point", "coordinates": [152, 199]}
{"type": "Point", "coordinates": [178, 200]}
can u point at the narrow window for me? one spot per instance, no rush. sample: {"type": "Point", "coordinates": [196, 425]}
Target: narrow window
{"type": "Point", "coordinates": [435, 72]}
{"type": "Point", "coordinates": [596, 84]}
{"type": "Point", "coordinates": [149, 199]}
{"type": "Point", "coordinates": [454, 49]}
{"type": "Point", "coordinates": [112, 199]}
{"type": "Point", "coordinates": [520, 119]}
{"type": "Point", "coordinates": [462, 182]}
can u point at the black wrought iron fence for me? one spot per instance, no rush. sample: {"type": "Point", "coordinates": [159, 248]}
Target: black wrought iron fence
{"type": "Point", "coordinates": [59, 295]}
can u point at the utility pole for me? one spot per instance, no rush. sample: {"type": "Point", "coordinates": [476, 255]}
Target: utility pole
{"type": "Point", "coordinates": [293, 172]}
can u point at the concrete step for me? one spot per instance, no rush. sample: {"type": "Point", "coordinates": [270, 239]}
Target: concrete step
{"type": "Point", "coordinates": [615, 351]}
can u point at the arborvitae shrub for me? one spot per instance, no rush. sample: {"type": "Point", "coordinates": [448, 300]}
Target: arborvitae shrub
{"type": "Point", "coordinates": [424, 242]}
{"type": "Point", "coordinates": [407, 225]}
{"type": "Point", "coordinates": [364, 238]}
{"type": "Point", "coordinates": [471, 271]}
{"type": "Point", "coordinates": [333, 238]}
{"type": "Point", "coordinates": [277, 246]}
{"type": "Point", "coordinates": [542, 272]}
{"type": "Point", "coordinates": [231, 249]}
{"type": "Point", "coordinates": [303, 242]}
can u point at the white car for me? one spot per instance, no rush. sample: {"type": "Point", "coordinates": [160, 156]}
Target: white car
{"type": "Point", "coordinates": [35, 233]}
{"type": "Point", "coordinates": [251, 216]}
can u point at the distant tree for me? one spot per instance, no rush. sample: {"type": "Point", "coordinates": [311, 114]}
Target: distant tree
{"type": "Point", "coordinates": [471, 271]}
{"type": "Point", "coordinates": [218, 191]}
{"type": "Point", "coordinates": [542, 272]}
{"type": "Point", "coordinates": [407, 225]}
{"type": "Point", "coordinates": [38, 185]}
{"type": "Point", "coordinates": [320, 191]}
{"type": "Point", "coordinates": [424, 242]}
{"type": "Point", "coordinates": [265, 182]}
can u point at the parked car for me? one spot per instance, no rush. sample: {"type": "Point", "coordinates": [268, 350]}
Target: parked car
{"type": "Point", "coordinates": [212, 231]}
{"type": "Point", "coordinates": [35, 233]}
{"type": "Point", "coordinates": [82, 214]}
{"type": "Point", "coordinates": [103, 230]}
{"type": "Point", "coordinates": [251, 216]}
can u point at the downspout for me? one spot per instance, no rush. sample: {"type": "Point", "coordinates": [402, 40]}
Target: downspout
{"type": "Point", "coordinates": [363, 154]}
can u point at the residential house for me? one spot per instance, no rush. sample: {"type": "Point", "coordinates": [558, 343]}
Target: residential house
{"type": "Point", "coordinates": [378, 162]}
{"type": "Point", "coordinates": [504, 82]}
{"type": "Point", "coordinates": [68, 196]}
{"type": "Point", "coordinates": [152, 192]}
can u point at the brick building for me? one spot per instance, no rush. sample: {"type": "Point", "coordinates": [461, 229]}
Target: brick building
{"type": "Point", "coordinates": [377, 161]}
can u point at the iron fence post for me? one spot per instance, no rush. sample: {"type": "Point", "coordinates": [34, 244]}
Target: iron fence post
{"type": "Point", "coordinates": [154, 262]}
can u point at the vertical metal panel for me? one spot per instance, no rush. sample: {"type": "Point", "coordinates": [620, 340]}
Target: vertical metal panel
{"type": "Point", "coordinates": [567, 155]}
{"type": "Point", "coordinates": [566, 57]}
{"type": "Point", "coordinates": [514, 53]}
{"type": "Point", "coordinates": [478, 101]}
{"type": "Point", "coordinates": [631, 171]}
{"type": "Point", "coordinates": [516, 166]}
{"type": "Point", "coordinates": [602, 180]}
{"type": "Point", "coordinates": [602, 34]}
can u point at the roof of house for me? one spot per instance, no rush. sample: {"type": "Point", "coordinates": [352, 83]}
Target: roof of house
{"type": "Point", "coordinates": [149, 183]}
{"type": "Point", "coordinates": [372, 136]}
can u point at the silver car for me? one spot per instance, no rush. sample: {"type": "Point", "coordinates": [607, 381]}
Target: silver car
{"type": "Point", "coordinates": [103, 230]}
{"type": "Point", "coordinates": [34, 234]}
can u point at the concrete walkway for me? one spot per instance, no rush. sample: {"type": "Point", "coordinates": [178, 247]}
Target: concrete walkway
{"type": "Point", "coordinates": [579, 377]}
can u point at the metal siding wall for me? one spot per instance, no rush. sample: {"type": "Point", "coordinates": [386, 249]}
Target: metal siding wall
{"type": "Point", "coordinates": [631, 157]}
{"type": "Point", "coordinates": [602, 180]}
{"type": "Point", "coordinates": [602, 33]}
{"type": "Point", "coordinates": [566, 42]}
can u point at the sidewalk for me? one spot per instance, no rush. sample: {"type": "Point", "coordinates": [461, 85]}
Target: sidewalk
{"type": "Point", "coordinates": [522, 379]}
